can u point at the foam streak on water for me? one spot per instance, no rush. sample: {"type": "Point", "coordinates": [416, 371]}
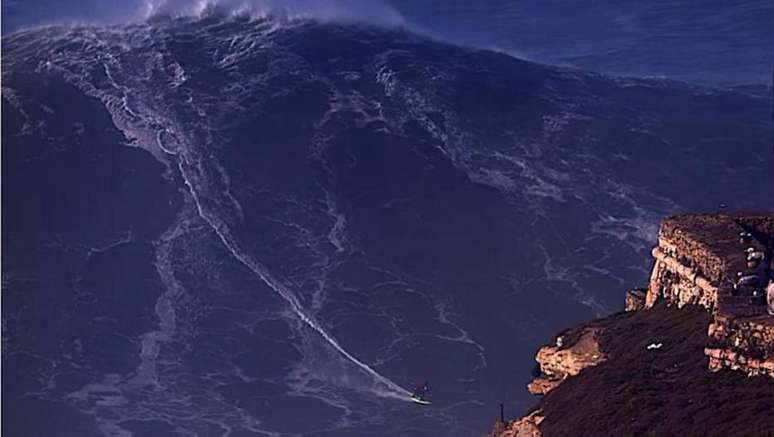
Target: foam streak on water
{"type": "Point", "coordinates": [207, 182]}
{"type": "Point", "coordinates": [386, 387]}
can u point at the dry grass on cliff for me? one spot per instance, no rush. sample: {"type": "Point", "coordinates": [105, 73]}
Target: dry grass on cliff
{"type": "Point", "coordinates": [661, 392]}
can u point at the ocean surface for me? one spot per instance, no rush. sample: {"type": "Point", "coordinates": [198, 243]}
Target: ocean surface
{"type": "Point", "coordinates": [709, 42]}
{"type": "Point", "coordinates": [278, 222]}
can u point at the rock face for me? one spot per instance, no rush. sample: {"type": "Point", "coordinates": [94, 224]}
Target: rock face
{"type": "Point", "coordinates": [635, 299]}
{"type": "Point", "coordinates": [742, 343]}
{"type": "Point", "coordinates": [572, 352]}
{"type": "Point", "coordinates": [527, 426]}
{"type": "Point", "coordinates": [692, 354]}
{"type": "Point", "coordinates": [697, 261]}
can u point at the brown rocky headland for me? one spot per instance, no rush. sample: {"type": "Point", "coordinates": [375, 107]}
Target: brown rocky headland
{"type": "Point", "coordinates": [693, 354]}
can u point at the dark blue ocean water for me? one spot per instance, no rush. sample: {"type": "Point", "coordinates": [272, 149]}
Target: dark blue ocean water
{"type": "Point", "coordinates": [266, 224]}
{"type": "Point", "coordinates": [712, 42]}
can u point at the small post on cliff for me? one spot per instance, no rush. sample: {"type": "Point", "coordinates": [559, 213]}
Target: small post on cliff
{"type": "Point", "coordinates": [499, 426]}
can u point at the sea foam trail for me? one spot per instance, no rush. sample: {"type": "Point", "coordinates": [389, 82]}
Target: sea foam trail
{"type": "Point", "coordinates": [388, 388]}
{"type": "Point", "coordinates": [142, 125]}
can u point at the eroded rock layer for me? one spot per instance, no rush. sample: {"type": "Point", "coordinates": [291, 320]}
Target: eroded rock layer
{"type": "Point", "coordinates": [692, 354]}
{"type": "Point", "coordinates": [698, 259]}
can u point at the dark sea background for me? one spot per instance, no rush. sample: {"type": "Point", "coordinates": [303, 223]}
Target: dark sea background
{"type": "Point", "coordinates": [267, 218]}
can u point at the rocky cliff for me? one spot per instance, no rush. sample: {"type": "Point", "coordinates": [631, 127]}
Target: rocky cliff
{"type": "Point", "coordinates": [691, 355]}
{"type": "Point", "coordinates": [698, 259]}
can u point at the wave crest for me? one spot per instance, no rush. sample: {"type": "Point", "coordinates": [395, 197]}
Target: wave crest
{"type": "Point", "coordinates": [93, 13]}
{"type": "Point", "coordinates": [339, 11]}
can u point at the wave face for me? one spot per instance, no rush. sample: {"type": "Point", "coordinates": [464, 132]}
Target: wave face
{"type": "Point", "coordinates": [722, 44]}
{"type": "Point", "coordinates": [238, 226]}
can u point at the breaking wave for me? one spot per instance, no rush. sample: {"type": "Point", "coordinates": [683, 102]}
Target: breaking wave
{"type": "Point", "coordinates": [340, 11]}
{"type": "Point", "coordinates": [372, 13]}
{"type": "Point", "coordinates": [355, 201]}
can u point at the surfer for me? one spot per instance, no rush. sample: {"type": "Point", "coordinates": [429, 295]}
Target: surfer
{"type": "Point", "coordinates": [419, 395]}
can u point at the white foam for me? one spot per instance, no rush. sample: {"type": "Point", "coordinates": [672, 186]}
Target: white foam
{"type": "Point", "coordinates": [341, 11]}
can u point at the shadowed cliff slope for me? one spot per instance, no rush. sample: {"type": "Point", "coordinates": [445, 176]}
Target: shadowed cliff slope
{"type": "Point", "coordinates": [692, 354]}
{"type": "Point", "coordinates": [665, 391]}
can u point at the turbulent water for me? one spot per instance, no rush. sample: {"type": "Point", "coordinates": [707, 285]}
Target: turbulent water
{"type": "Point", "coordinates": [231, 226]}
{"type": "Point", "coordinates": [718, 43]}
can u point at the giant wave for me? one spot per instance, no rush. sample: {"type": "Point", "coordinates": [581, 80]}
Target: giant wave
{"type": "Point", "coordinates": [310, 216]}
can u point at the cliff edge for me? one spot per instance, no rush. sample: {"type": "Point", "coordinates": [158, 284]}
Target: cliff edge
{"type": "Point", "coordinates": [693, 354]}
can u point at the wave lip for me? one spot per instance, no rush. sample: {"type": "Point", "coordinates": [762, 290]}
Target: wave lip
{"type": "Point", "coordinates": [370, 13]}
{"type": "Point", "coordinates": [342, 11]}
